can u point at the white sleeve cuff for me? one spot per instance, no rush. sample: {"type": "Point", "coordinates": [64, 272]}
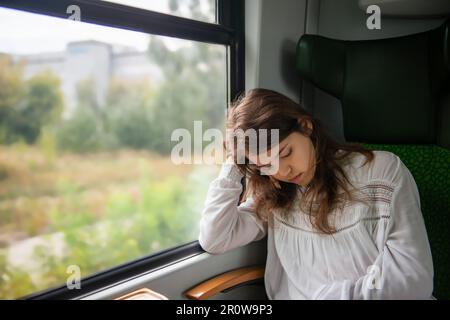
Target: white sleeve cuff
{"type": "Point", "coordinates": [231, 172]}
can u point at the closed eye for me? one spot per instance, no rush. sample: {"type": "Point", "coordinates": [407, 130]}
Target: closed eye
{"type": "Point", "coordinates": [284, 156]}
{"type": "Point", "coordinates": [288, 154]}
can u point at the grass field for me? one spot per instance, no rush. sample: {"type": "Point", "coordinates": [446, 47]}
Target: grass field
{"type": "Point", "coordinates": [95, 211]}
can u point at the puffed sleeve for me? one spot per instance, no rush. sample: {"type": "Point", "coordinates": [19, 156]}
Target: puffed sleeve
{"type": "Point", "coordinates": [224, 224]}
{"type": "Point", "coordinates": [404, 267]}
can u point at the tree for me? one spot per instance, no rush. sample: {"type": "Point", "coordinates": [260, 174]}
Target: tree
{"type": "Point", "coordinates": [11, 92]}
{"type": "Point", "coordinates": [43, 105]}
{"type": "Point", "coordinates": [26, 106]}
{"type": "Point", "coordinates": [81, 131]}
{"type": "Point", "coordinates": [129, 105]}
{"type": "Point", "coordinates": [194, 89]}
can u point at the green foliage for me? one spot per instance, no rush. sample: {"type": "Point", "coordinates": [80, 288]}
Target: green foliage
{"type": "Point", "coordinates": [82, 130]}
{"type": "Point", "coordinates": [11, 83]}
{"type": "Point", "coordinates": [136, 115]}
{"type": "Point", "coordinates": [193, 90]}
{"type": "Point", "coordinates": [79, 133]}
{"type": "Point", "coordinates": [161, 217]}
{"type": "Point", "coordinates": [160, 214]}
{"type": "Point", "coordinates": [129, 114]}
{"type": "Point", "coordinates": [43, 105]}
{"type": "Point", "coordinates": [48, 145]}
{"type": "Point", "coordinates": [12, 89]}
{"type": "Point", "coordinates": [26, 106]}
{"type": "Point", "coordinates": [14, 282]}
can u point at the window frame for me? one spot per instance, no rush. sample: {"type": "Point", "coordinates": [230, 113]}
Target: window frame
{"type": "Point", "coordinates": [229, 30]}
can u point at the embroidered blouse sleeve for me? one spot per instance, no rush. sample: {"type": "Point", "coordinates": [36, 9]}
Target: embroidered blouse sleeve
{"type": "Point", "coordinates": [224, 225]}
{"type": "Point", "coordinates": [404, 268]}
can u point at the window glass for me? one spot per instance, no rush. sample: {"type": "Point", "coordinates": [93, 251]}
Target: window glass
{"type": "Point", "coordinates": [86, 116]}
{"type": "Point", "coordinates": [202, 10]}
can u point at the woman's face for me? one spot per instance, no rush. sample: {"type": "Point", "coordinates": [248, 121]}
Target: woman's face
{"type": "Point", "coordinates": [296, 158]}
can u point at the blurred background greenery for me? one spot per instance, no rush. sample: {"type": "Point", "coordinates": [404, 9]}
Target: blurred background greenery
{"type": "Point", "coordinates": [97, 188]}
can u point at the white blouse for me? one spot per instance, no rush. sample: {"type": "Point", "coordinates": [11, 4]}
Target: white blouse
{"type": "Point", "coordinates": [379, 251]}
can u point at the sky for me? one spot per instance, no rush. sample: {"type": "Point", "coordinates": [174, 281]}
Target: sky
{"type": "Point", "coordinates": [28, 33]}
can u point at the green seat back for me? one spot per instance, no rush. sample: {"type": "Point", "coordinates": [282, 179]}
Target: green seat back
{"type": "Point", "coordinates": [393, 94]}
{"type": "Point", "coordinates": [430, 166]}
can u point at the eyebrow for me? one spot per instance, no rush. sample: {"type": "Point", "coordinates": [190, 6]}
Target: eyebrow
{"type": "Point", "coordinates": [281, 150]}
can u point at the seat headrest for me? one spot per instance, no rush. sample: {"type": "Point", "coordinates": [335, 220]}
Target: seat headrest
{"type": "Point", "coordinates": [390, 89]}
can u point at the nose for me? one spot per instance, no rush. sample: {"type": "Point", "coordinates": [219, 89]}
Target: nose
{"type": "Point", "coordinates": [285, 170]}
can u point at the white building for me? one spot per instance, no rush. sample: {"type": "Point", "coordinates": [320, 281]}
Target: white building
{"type": "Point", "coordinates": [94, 60]}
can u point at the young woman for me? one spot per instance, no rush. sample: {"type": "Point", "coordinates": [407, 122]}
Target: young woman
{"type": "Point", "coordinates": [342, 222]}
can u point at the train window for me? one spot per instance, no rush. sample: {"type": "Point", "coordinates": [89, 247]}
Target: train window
{"type": "Point", "coordinates": [202, 10]}
{"type": "Point", "coordinates": [86, 116]}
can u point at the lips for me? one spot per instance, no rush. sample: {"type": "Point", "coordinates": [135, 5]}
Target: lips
{"type": "Point", "coordinates": [296, 177]}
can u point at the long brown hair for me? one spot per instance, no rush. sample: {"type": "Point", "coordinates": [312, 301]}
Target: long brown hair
{"type": "Point", "coordinates": [267, 109]}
